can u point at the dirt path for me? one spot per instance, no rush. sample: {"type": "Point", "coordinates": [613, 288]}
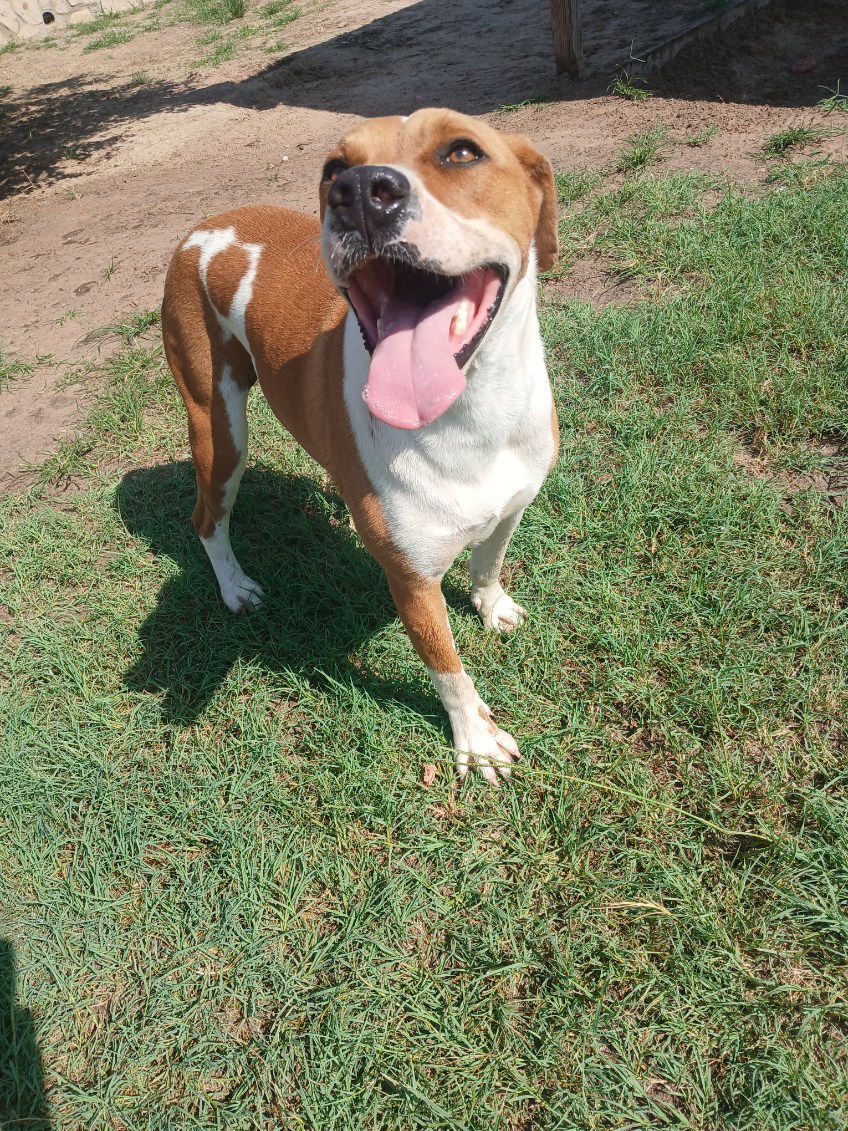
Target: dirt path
{"type": "Point", "coordinates": [107, 157]}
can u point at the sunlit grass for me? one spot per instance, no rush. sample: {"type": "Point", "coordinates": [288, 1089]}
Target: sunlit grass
{"type": "Point", "coordinates": [229, 899]}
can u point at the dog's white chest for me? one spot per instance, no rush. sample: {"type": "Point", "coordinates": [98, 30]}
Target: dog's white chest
{"type": "Point", "coordinates": [448, 486]}
{"type": "Point", "coordinates": [433, 517]}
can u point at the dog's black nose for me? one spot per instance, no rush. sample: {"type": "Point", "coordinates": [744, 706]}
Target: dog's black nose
{"type": "Point", "coordinates": [369, 198]}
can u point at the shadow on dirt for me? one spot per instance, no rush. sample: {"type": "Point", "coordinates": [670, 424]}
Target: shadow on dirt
{"type": "Point", "coordinates": [429, 54]}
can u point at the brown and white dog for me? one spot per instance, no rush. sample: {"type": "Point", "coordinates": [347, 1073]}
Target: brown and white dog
{"type": "Point", "coordinates": [408, 364]}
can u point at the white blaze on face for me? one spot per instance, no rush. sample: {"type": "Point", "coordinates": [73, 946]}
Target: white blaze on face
{"type": "Point", "coordinates": [455, 244]}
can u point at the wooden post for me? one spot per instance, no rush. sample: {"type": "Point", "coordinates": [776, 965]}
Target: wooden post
{"type": "Point", "coordinates": [568, 36]}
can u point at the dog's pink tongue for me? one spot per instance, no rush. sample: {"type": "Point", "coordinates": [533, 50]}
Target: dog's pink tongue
{"type": "Point", "coordinates": [414, 377]}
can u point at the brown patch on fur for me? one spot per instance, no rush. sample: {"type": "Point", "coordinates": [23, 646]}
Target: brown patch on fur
{"type": "Point", "coordinates": [189, 329]}
{"type": "Point", "coordinates": [421, 605]}
{"type": "Point", "coordinates": [541, 175]}
{"type": "Point", "coordinates": [225, 272]}
{"type": "Point", "coordinates": [486, 716]}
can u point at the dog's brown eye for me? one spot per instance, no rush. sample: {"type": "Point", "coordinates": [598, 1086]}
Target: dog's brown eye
{"type": "Point", "coordinates": [463, 153]}
{"type": "Point", "coordinates": [332, 170]}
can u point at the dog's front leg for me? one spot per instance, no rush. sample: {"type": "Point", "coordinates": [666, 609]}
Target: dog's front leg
{"type": "Point", "coordinates": [498, 611]}
{"type": "Point", "coordinates": [478, 740]}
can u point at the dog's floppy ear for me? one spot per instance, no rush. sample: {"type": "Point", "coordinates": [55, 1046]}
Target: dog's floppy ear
{"type": "Point", "coordinates": [541, 176]}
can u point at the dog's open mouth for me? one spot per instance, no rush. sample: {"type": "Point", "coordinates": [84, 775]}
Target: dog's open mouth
{"type": "Point", "coordinates": [421, 329]}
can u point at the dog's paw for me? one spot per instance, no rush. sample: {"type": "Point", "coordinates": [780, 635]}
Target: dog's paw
{"type": "Point", "coordinates": [482, 746]}
{"type": "Point", "coordinates": [497, 610]}
{"type": "Point", "coordinates": [242, 593]}
{"type": "Point", "coordinates": [507, 614]}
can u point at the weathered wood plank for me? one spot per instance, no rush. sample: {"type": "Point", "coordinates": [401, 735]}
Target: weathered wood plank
{"type": "Point", "coordinates": [568, 36]}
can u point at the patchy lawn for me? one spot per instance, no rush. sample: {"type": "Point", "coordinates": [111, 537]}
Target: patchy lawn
{"type": "Point", "coordinates": [229, 900]}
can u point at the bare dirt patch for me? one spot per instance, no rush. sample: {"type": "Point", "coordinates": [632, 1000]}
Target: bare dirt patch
{"type": "Point", "coordinates": [591, 279]}
{"type": "Point", "coordinates": [108, 156]}
{"type": "Point", "coordinates": [32, 414]}
{"type": "Point", "coordinates": [826, 472]}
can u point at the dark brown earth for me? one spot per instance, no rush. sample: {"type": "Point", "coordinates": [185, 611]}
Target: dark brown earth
{"type": "Point", "coordinates": [101, 173]}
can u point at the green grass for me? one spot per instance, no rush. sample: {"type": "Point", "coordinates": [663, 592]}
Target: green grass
{"type": "Point", "coordinates": [215, 11]}
{"type": "Point", "coordinates": [573, 185]}
{"type": "Point", "coordinates": [277, 13]}
{"type": "Point", "coordinates": [280, 10]}
{"type": "Point", "coordinates": [631, 88]}
{"type": "Point", "coordinates": [284, 18]}
{"type": "Point", "coordinates": [796, 137]}
{"type": "Point", "coordinates": [13, 369]}
{"type": "Point", "coordinates": [134, 325]}
{"type": "Point", "coordinates": [802, 173]}
{"type": "Point", "coordinates": [222, 52]}
{"type": "Point", "coordinates": [113, 38]}
{"type": "Point", "coordinates": [514, 107]}
{"type": "Point", "coordinates": [100, 24]}
{"type": "Point", "coordinates": [701, 137]}
{"type": "Point", "coordinates": [113, 30]}
{"type": "Point", "coordinates": [833, 101]}
{"type": "Point", "coordinates": [641, 151]}
{"type": "Point", "coordinates": [228, 900]}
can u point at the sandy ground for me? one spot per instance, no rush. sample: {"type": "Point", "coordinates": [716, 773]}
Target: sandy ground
{"type": "Point", "coordinates": [102, 170]}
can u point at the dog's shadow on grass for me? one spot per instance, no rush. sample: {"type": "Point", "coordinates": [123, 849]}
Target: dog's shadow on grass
{"type": "Point", "coordinates": [325, 595]}
{"type": "Point", "coordinates": [22, 1099]}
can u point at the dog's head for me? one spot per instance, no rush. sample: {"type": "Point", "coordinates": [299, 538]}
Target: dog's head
{"type": "Point", "coordinates": [429, 224]}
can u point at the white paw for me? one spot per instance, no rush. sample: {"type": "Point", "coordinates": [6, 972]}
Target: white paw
{"type": "Point", "coordinates": [241, 593]}
{"type": "Point", "coordinates": [498, 611]}
{"type": "Point", "coordinates": [481, 745]}
{"type": "Point", "coordinates": [507, 614]}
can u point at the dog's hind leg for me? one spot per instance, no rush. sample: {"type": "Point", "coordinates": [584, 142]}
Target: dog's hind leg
{"type": "Point", "coordinates": [214, 377]}
{"type": "Point", "coordinates": [219, 474]}
{"type": "Point", "coordinates": [497, 609]}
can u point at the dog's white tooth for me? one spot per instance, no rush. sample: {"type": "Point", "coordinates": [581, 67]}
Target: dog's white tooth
{"type": "Point", "coordinates": [462, 319]}
{"type": "Point", "coordinates": [379, 326]}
